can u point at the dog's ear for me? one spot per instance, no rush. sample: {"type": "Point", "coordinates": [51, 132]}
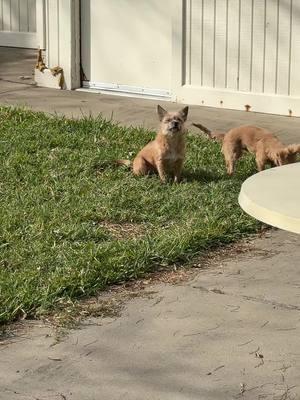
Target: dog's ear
{"type": "Point", "coordinates": [184, 113]}
{"type": "Point", "coordinates": [161, 112]}
{"type": "Point", "coordinates": [293, 148]}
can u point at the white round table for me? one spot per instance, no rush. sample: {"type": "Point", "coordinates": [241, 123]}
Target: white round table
{"type": "Point", "coordinates": [273, 197]}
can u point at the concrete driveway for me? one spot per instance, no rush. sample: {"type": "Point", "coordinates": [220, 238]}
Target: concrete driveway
{"type": "Point", "coordinates": [229, 332]}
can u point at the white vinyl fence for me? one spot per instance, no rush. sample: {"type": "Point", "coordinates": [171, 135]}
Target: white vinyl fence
{"type": "Point", "coordinates": [18, 23]}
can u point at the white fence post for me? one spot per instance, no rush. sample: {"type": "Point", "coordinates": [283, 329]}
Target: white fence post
{"type": "Point", "coordinates": [63, 39]}
{"type": "Point", "coordinates": [40, 23]}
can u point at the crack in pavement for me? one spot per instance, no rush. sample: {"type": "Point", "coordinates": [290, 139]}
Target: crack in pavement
{"type": "Point", "coordinates": [249, 298]}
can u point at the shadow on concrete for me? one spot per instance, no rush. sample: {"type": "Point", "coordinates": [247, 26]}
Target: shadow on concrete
{"type": "Point", "coordinates": [16, 65]}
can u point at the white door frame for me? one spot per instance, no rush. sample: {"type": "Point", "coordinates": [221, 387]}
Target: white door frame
{"type": "Point", "coordinates": [62, 38]}
{"type": "Point", "coordinates": [40, 24]}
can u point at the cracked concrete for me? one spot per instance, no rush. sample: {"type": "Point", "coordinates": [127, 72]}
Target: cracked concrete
{"type": "Point", "coordinates": [230, 332]}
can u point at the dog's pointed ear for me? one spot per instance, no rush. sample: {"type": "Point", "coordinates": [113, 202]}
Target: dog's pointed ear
{"type": "Point", "coordinates": [161, 112]}
{"type": "Point", "coordinates": [293, 148]}
{"type": "Point", "coordinates": [184, 112]}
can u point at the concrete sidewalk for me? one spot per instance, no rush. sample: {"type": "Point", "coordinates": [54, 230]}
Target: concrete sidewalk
{"type": "Point", "coordinates": [128, 111]}
{"type": "Point", "coordinates": [230, 332]}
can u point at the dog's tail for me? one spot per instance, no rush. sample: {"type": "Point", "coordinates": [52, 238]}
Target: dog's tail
{"type": "Point", "coordinates": [203, 129]}
{"type": "Point", "coordinates": [126, 163]}
{"type": "Point", "coordinates": [219, 136]}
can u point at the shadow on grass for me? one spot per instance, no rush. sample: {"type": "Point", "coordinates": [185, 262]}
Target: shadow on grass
{"type": "Point", "coordinates": [202, 175]}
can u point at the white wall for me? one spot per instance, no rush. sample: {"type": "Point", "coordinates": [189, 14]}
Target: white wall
{"type": "Point", "coordinates": [244, 45]}
{"type": "Point", "coordinates": [240, 52]}
{"type": "Point", "coordinates": [18, 23]}
{"type": "Point", "coordinates": [220, 53]}
{"type": "Point", "coordinates": [127, 42]}
{"type": "Point", "coordinates": [18, 15]}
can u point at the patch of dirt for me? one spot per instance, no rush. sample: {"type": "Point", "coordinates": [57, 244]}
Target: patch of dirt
{"type": "Point", "coordinates": [110, 302]}
{"type": "Point", "coordinates": [125, 230]}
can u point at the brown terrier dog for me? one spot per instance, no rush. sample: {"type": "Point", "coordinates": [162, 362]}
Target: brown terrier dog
{"type": "Point", "coordinates": [165, 154]}
{"type": "Point", "coordinates": [261, 142]}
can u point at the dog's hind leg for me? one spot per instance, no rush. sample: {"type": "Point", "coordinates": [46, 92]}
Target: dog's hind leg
{"type": "Point", "coordinates": [230, 163]}
{"type": "Point", "coordinates": [231, 156]}
{"type": "Point", "coordinates": [232, 151]}
{"type": "Point", "coordinates": [141, 167]}
{"type": "Point", "coordinates": [261, 159]}
{"type": "Point", "coordinates": [260, 163]}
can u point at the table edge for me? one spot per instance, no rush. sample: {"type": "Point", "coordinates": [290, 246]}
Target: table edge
{"type": "Point", "coordinates": [269, 217]}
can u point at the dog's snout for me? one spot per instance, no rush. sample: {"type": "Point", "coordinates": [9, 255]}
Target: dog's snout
{"type": "Point", "coordinates": [174, 124]}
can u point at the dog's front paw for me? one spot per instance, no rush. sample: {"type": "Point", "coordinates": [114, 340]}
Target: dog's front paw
{"type": "Point", "coordinates": [177, 179]}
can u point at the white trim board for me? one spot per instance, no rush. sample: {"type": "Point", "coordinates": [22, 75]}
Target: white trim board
{"type": "Point", "coordinates": [230, 99]}
{"type": "Point", "coordinates": [125, 90]}
{"type": "Point", "coordinates": [27, 40]}
{"type": "Point", "coordinates": [41, 23]}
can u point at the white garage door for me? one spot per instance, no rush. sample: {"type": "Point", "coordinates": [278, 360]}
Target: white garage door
{"type": "Point", "coordinates": [241, 54]}
{"type": "Point", "coordinates": [19, 22]}
{"type": "Point", "coordinates": [126, 46]}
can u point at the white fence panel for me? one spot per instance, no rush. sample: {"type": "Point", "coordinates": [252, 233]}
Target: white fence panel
{"type": "Point", "coordinates": [240, 52]}
{"type": "Point", "coordinates": [18, 23]}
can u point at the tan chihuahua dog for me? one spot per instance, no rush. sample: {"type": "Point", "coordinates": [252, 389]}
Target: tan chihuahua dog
{"type": "Point", "coordinates": [165, 154]}
{"type": "Point", "coordinates": [267, 148]}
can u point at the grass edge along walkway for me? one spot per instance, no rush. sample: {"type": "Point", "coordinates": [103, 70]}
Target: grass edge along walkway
{"type": "Point", "coordinates": [71, 223]}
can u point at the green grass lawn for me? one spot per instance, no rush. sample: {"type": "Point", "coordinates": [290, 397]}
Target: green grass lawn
{"type": "Point", "coordinates": [72, 223]}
